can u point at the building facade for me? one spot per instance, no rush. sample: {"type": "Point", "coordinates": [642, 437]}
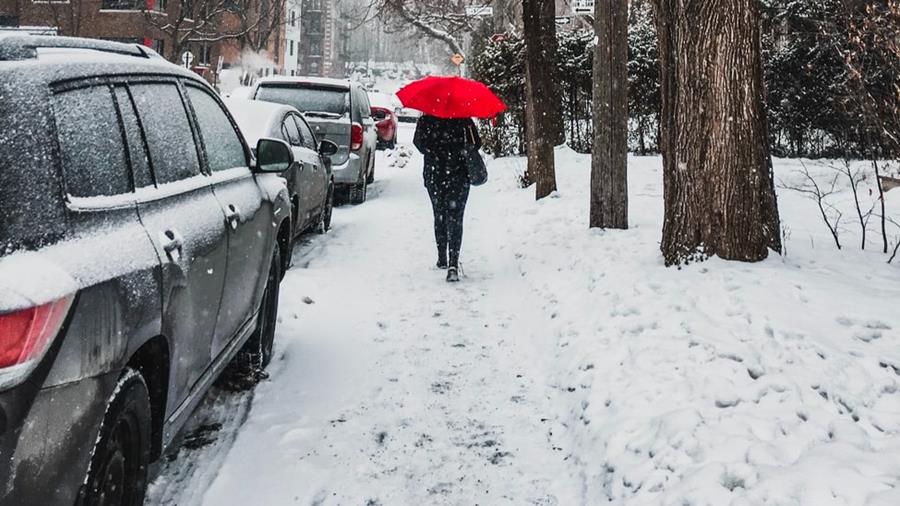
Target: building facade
{"type": "Point", "coordinates": [324, 43]}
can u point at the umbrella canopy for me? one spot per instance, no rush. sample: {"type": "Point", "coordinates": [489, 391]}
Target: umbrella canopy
{"type": "Point", "coordinates": [451, 97]}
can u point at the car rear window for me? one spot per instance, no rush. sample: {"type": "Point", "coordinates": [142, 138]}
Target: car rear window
{"type": "Point", "coordinates": [31, 210]}
{"type": "Point", "coordinates": [308, 99]}
{"type": "Point", "coordinates": [90, 141]}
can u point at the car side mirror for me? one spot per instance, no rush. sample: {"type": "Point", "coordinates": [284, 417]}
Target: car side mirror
{"type": "Point", "coordinates": [328, 148]}
{"type": "Point", "coordinates": [273, 155]}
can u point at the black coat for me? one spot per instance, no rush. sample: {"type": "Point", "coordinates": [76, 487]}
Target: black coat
{"type": "Point", "coordinates": [445, 143]}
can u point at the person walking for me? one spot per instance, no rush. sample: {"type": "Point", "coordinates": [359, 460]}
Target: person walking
{"type": "Point", "coordinates": [448, 138]}
{"type": "Point", "coordinates": [445, 144]}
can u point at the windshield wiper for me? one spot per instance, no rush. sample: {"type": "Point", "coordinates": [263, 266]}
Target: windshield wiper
{"type": "Point", "coordinates": [320, 114]}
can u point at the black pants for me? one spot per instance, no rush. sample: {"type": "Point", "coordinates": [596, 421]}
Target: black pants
{"type": "Point", "coordinates": [448, 201]}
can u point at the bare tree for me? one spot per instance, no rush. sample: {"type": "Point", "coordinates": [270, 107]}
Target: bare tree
{"type": "Point", "coordinates": [443, 20]}
{"type": "Point", "coordinates": [609, 160]}
{"type": "Point", "coordinates": [539, 17]}
{"type": "Point", "coordinates": [68, 17]}
{"type": "Point", "coordinates": [855, 177]}
{"type": "Point", "coordinates": [207, 21]}
{"type": "Point", "coordinates": [718, 182]}
{"type": "Point", "coordinates": [820, 194]}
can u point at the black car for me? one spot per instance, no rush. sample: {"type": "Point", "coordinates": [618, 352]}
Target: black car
{"type": "Point", "coordinates": [141, 248]}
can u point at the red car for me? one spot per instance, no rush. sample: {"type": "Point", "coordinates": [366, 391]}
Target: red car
{"type": "Point", "coordinates": [385, 117]}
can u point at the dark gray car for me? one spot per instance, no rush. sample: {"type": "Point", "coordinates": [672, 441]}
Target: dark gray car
{"type": "Point", "coordinates": [339, 111]}
{"type": "Point", "coordinates": [309, 180]}
{"type": "Point", "coordinates": [141, 248]}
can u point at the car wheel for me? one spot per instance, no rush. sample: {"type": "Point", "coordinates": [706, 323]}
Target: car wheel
{"type": "Point", "coordinates": [117, 475]}
{"type": "Point", "coordinates": [327, 211]}
{"type": "Point", "coordinates": [370, 177]}
{"type": "Point", "coordinates": [393, 143]}
{"type": "Point", "coordinates": [258, 349]}
{"type": "Point", "coordinates": [359, 192]}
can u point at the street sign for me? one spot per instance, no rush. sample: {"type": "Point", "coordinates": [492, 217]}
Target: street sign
{"type": "Point", "coordinates": [480, 11]}
{"type": "Point", "coordinates": [563, 20]}
{"type": "Point", "coordinates": [186, 58]}
{"type": "Point", "coordinates": [583, 7]}
{"type": "Point", "coordinates": [458, 59]}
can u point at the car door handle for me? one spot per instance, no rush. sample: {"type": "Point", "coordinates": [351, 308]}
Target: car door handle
{"type": "Point", "coordinates": [233, 216]}
{"type": "Point", "coordinates": [172, 243]}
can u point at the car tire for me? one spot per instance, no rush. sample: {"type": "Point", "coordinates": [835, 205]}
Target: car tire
{"type": "Point", "coordinates": [392, 144]}
{"type": "Point", "coordinates": [259, 348]}
{"type": "Point", "coordinates": [117, 475]}
{"type": "Point", "coordinates": [359, 193]}
{"type": "Point", "coordinates": [325, 217]}
{"type": "Point", "coordinates": [370, 177]}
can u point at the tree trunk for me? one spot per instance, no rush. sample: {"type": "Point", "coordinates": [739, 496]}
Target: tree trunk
{"type": "Point", "coordinates": [539, 19]}
{"type": "Point", "coordinates": [609, 162]}
{"type": "Point", "coordinates": [719, 188]}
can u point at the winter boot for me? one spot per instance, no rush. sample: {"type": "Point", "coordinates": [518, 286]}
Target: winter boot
{"type": "Point", "coordinates": [453, 275]}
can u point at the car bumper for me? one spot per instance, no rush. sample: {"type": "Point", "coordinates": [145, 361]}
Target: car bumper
{"type": "Point", "coordinates": [349, 172]}
{"type": "Point", "coordinates": [46, 439]}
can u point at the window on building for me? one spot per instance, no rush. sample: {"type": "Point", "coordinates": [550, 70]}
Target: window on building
{"type": "Point", "coordinates": [291, 47]}
{"type": "Point", "coordinates": [315, 48]}
{"type": "Point", "coordinates": [293, 18]}
{"type": "Point", "coordinates": [121, 5]}
{"type": "Point", "coordinates": [205, 54]}
{"type": "Point", "coordinates": [314, 20]}
{"type": "Point", "coordinates": [160, 46]}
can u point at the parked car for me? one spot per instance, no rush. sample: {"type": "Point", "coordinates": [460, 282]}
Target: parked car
{"type": "Point", "coordinates": [338, 111]}
{"type": "Point", "coordinates": [407, 115]}
{"type": "Point", "coordinates": [309, 179]}
{"type": "Point", "coordinates": [384, 111]}
{"type": "Point", "coordinates": [141, 249]}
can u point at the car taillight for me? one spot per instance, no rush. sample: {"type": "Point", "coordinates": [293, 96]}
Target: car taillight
{"type": "Point", "coordinates": [25, 336]}
{"type": "Point", "coordinates": [356, 137]}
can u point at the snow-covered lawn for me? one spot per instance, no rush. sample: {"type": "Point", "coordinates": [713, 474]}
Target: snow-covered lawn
{"type": "Point", "coordinates": [569, 367]}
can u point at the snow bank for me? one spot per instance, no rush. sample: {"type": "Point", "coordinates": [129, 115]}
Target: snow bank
{"type": "Point", "coordinates": [719, 383]}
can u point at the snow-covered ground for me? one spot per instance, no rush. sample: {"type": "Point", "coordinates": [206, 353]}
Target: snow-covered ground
{"type": "Point", "coordinates": [569, 367]}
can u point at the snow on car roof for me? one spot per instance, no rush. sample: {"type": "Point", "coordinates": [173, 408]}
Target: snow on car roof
{"type": "Point", "coordinates": [342, 83]}
{"type": "Point", "coordinates": [256, 118]}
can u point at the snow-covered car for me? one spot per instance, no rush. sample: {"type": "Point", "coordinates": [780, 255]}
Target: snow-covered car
{"type": "Point", "coordinates": [141, 249]}
{"type": "Point", "coordinates": [384, 110]}
{"type": "Point", "coordinates": [337, 110]}
{"type": "Point", "coordinates": [309, 180]}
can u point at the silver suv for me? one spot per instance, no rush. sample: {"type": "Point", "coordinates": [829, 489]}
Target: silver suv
{"type": "Point", "coordinates": [339, 111]}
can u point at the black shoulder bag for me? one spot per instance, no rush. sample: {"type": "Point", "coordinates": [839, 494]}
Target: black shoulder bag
{"type": "Point", "coordinates": [474, 162]}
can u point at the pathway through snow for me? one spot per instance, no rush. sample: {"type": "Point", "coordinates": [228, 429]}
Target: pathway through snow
{"type": "Point", "coordinates": [393, 387]}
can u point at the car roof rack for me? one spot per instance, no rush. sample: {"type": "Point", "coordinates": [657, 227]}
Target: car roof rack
{"type": "Point", "coordinates": [24, 47]}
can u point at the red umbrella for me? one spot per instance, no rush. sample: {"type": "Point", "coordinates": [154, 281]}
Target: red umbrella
{"type": "Point", "coordinates": [451, 97]}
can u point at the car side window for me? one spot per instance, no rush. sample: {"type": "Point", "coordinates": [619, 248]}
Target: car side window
{"type": "Point", "coordinates": [289, 130]}
{"type": "Point", "coordinates": [309, 139]}
{"type": "Point", "coordinates": [90, 142]}
{"type": "Point", "coordinates": [224, 148]}
{"type": "Point", "coordinates": [137, 148]}
{"type": "Point", "coordinates": [170, 140]}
